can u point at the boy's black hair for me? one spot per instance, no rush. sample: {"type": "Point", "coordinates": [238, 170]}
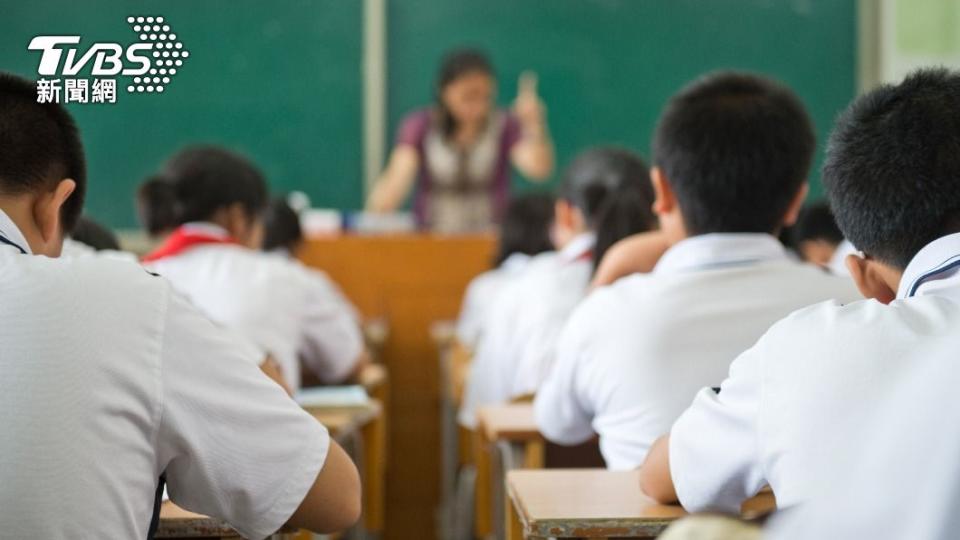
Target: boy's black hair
{"type": "Point", "coordinates": [526, 226]}
{"type": "Point", "coordinates": [456, 64]}
{"type": "Point", "coordinates": [816, 222]}
{"type": "Point", "coordinates": [892, 170]}
{"type": "Point", "coordinates": [95, 235]}
{"type": "Point", "coordinates": [195, 183]}
{"type": "Point", "coordinates": [611, 187]}
{"type": "Point", "coordinates": [736, 148]}
{"type": "Point", "coordinates": [39, 146]}
{"type": "Point", "coordinates": [281, 226]}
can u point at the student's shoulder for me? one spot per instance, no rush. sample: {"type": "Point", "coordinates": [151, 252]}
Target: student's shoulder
{"type": "Point", "coordinates": [624, 298]}
{"type": "Point", "coordinates": [102, 279]}
{"type": "Point", "coordinates": [819, 279]}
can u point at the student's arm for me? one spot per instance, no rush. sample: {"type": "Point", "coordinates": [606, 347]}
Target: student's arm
{"type": "Point", "coordinates": [332, 347]}
{"type": "Point", "coordinates": [396, 181]}
{"type": "Point", "coordinates": [272, 369]}
{"type": "Point", "coordinates": [234, 445]}
{"type": "Point", "coordinates": [532, 154]}
{"type": "Point", "coordinates": [711, 461]}
{"type": "Point", "coordinates": [655, 478]}
{"type": "Point", "coordinates": [561, 408]}
{"type": "Point", "coordinates": [333, 502]}
{"type": "Point", "coordinates": [636, 253]}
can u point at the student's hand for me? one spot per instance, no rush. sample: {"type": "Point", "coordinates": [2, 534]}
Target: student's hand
{"type": "Point", "coordinates": [528, 107]}
{"type": "Point", "coordinates": [633, 254]}
{"type": "Point", "coordinates": [272, 369]}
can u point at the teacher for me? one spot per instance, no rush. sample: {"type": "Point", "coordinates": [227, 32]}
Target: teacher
{"type": "Point", "coordinates": [460, 150]}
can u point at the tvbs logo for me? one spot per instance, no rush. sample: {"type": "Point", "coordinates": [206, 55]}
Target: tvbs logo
{"type": "Point", "coordinates": [151, 63]}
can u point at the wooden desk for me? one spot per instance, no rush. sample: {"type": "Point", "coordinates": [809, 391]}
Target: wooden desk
{"type": "Point", "coordinates": [375, 379]}
{"type": "Point", "coordinates": [410, 280]}
{"type": "Point", "coordinates": [506, 438]}
{"type": "Point", "coordinates": [175, 522]}
{"type": "Point", "coordinates": [591, 503]}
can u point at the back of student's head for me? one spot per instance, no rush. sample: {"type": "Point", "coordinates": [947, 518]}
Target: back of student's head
{"type": "Point", "coordinates": [198, 182]}
{"type": "Point", "coordinates": [281, 225]}
{"type": "Point", "coordinates": [611, 188]}
{"type": "Point", "coordinates": [95, 235]}
{"type": "Point", "coordinates": [736, 149]}
{"type": "Point", "coordinates": [892, 170]}
{"type": "Point", "coordinates": [526, 226]}
{"type": "Point", "coordinates": [816, 223]}
{"type": "Point", "coordinates": [39, 146]}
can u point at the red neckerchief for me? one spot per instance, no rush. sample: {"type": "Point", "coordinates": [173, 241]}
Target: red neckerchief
{"type": "Point", "coordinates": [183, 239]}
{"type": "Point", "coordinates": [585, 256]}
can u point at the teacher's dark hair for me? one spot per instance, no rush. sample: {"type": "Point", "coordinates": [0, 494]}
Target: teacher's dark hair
{"type": "Point", "coordinates": [526, 226]}
{"type": "Point", "coordinates": [39, 146]}
{"type": "Point", "coordinates": [197, 182]}
{"type": "Point", "coordinates": [456, 64]}
{"type": "Point", "coordinates": [611, 187]}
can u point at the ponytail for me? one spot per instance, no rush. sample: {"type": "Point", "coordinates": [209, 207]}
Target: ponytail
{"type": "Point", "coordinates": [625, 213]}
{"type": "Point", "coordinates": [197, 182]}
{"type": "Point", "coordinates": [611, 188]}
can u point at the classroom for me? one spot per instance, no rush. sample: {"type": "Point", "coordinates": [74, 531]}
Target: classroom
{"type": "Point", "coordinates": [480, 270]}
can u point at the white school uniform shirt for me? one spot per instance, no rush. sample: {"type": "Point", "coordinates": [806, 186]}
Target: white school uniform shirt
{"type": "Point", "coordinates": [808, 390]}
{"type": "Point", "coordinates": [901, 479]}
{"type": "Point", "coordinates": [280, 306]}
{"type": "Point", "coordinates": [73, 249]}
{"type": "Point", "coordinates": [109, 379]}
{"type": "Point", "coordinates": [333, 290]}
{"type": "Point", "coordinates": [482, 293]}
{"type": "Point", "coordinates": [521, 329]}
{"type": "Point", "coordinates": [634, 353]}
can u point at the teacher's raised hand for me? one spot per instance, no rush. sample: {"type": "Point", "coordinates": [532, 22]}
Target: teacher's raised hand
{"type": "Point", "coordinates": [533, 154]}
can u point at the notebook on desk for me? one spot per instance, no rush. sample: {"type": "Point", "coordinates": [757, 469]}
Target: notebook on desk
{"type": "Point", "coordinates": [333, 396]}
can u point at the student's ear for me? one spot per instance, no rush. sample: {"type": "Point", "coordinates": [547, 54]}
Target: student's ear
{"type": "Point", "coordinates": [872, 278]}
{"type": "Point", "coordinates": [793, 211]}
{"type": "Point", "coordinates": [46, 214]}
{"type": "Point", "coordinates": [664, 201]}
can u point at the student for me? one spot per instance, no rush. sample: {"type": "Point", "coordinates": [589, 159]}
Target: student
{"type": "Point", "coordinates": [731, 156]}
{"type": "Point", "coordinates": [283, 237]}
{"type": "Point", "coordinates": [525, 232]}
{"type": "Point", "coordinates": [110, 378]}
{"type": "Point", "coordinates": [214, 200]}
{"type": "Point", "coordinates": [604, 186]}
{"type": "Point", "coordinates": [815, 236]}
{"type": "Point", "coordinates": [807, 392]}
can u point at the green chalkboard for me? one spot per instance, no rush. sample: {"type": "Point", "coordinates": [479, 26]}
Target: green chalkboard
{"type": "Point", "coordinates": [279, 81]}
{"type": "Point", "coordinates": [607, 66]}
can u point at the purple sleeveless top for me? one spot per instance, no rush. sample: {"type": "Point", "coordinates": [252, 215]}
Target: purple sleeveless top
{"type": "Point", "coordinates": [490, 159]}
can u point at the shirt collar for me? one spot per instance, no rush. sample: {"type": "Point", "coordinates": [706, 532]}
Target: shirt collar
{"type": "Point", "coordinates": [515, 261]}
{"type": "Point", "coordinates": [581, 245]}
{"type": "Point", "coordinates": [718, 250]}
{"type": "Point", "coordinates": [205, 228]}
{"type": "Point", "coordinates": [935, 269]}
{"type": "Point", "coordinates": [10, 231]}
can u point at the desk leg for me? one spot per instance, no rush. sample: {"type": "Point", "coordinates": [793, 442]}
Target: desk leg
{"type": "Point", "coordinates": [482, 509]}
{"type": "Point", "coordinates": [513, 526]}
{"type": "Point", "coordinates": [375, 460]}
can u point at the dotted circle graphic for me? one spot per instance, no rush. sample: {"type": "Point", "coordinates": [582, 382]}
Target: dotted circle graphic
{"type": "Point", "coordinates": [166, 52]}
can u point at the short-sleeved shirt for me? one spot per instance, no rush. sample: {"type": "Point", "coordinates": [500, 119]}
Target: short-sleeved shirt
{"type": "Point", "coordinates": [482, 293]}
{"type": "Point", "coordinates": [808, 391]}
{"type": "Point", "coordinates": [292, 313]}
{"type": "Point", "coordinates": [634, 354]}
{"type": "Point", "coordinates": [110, 378]}
{"type": "Point", "coordinates": [460, 190]}
{"type": "Point", "coordinates": [519, 342]}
